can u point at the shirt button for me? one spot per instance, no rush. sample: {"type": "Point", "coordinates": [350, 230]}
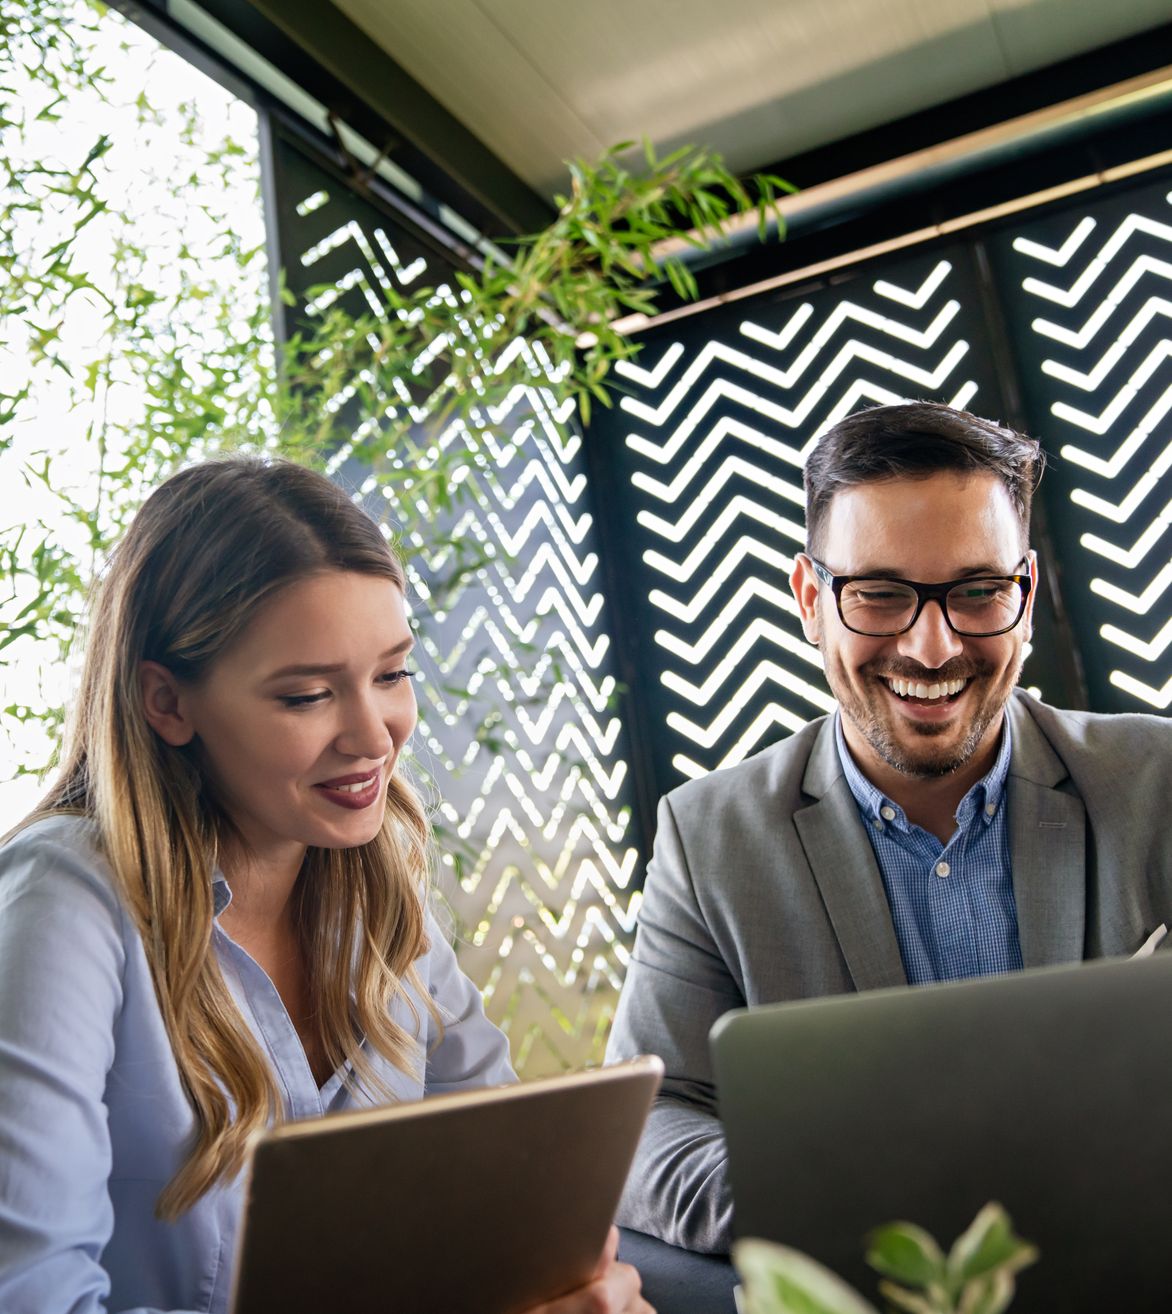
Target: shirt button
{"type": "Point", "coordinates": [877, 823]}
{"type": "Point", "coordinates": [942, 869]}
{"type": "Point", "coordinates": [887, 813]}
{"type": "Point", "coordinates": [990, 808]}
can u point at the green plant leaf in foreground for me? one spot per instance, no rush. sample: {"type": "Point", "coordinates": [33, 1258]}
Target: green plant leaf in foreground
{"type": "Point", "coordinates": [977, 1276]}
{"type": "Point", "coordinates": [987, 1245]}
{"type": "Point", "coordinates": [906, 1253]}
{"type": "Point", "coordinates": [778, 1280]}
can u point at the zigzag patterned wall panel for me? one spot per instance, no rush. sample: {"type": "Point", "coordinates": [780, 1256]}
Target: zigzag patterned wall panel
{"type": "Point", "coordinates": [1088, 291]}
{"type": "Point", "coordinates": [705, 456]}
{"type": "Point", "coordinates": [539, 809]}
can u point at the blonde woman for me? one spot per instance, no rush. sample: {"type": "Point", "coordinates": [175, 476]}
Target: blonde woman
{"type": "Point", "coordinates": [217, 917]}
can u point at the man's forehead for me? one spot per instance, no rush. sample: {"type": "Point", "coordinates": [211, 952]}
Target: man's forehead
{"type": "Point", "coordinates": [948, 519]}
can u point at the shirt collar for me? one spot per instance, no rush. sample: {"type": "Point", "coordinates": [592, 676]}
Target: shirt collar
{"type": "Point", "coordinates": [984, 797]}
{"type": "Point", "coordinates": [221, 892]}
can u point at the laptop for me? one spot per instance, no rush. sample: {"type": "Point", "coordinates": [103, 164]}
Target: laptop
{"type": "Point", "coordinates": [1048, 1090]}
{"type": "Point", "coordinates": [482, 1202]}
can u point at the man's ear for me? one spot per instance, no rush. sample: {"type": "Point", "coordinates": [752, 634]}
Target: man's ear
{"type": "Point", "coordinates": [804, 584]}
{"type": "Point", "coordinates": [1028, 619]}
{"type": "Point", "coordinates": [163, 703]}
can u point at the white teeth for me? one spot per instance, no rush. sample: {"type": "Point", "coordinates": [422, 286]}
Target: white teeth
{"type": "Point", "coordinates": [928, 692]}
{"type": "Point", "coordinates": [356, 788]}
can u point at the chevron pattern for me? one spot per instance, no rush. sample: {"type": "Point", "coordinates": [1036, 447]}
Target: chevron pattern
{"type": "Point", "coordinates": [543, 899]}
{"type": "Point", "coordinates": [1096, 291]}
{"type": "Point", "coordinates": [716, 431]}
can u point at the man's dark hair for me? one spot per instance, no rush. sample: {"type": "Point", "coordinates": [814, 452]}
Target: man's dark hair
{"type": "Point", "coordinates": [913, 440]}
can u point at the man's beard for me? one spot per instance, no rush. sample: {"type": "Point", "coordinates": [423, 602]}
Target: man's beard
{"type": "Point", "coordinates": [875, 719]}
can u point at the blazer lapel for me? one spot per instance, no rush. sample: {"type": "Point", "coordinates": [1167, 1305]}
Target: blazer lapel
{"type": "Point", "coordinates": [1047, 830]}
{"type": "Point", "coordinates": [843, 863]}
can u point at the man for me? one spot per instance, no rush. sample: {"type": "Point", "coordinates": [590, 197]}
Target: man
{"type": "Point", "coordinates": [941, 824]}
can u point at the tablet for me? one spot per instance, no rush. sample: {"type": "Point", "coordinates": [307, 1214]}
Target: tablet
{"type": "Point", "coordinates": [482, 1202]}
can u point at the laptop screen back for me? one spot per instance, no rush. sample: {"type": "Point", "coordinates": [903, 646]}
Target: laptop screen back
{"type": "Point", "coordinates": [1049, 1091]}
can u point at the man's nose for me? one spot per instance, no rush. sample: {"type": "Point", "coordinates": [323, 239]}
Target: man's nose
{"type": "Point", "coordinates": [930, 641]}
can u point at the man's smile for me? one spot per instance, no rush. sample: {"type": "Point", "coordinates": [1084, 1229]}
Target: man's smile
{"type": "Point", "coordinates": [931, 692]}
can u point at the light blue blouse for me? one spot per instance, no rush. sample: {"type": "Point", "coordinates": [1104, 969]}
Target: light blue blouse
{"type": "Point", "coordinates": [93, 1120]}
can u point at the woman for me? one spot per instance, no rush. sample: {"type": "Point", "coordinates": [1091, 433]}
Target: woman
{"type": "Point", "coordinates": [217, 917]}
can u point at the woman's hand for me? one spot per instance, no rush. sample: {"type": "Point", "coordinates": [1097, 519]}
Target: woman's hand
{"type": "Point", "coordinates": [614, 1289]}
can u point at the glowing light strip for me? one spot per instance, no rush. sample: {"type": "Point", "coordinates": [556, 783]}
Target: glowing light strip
{"type": "Point", "coordinates": [712, 540]}
{"type": "Point", "coordinates": [650, 378]}
{"type": "Point", "coordinates": [1122, 512]}
{"type": "Point", "coordinates": [732, 663]}
{"type": "Point", "coordinates": [765, 673]}
{"type": "Point", "coordinates": [1061, 255]}
{"type": "Point", "coordinates": [1070, 297]}
{"type": "Point", "coordinates": [1140, 604]}
{"type": "Point", "coordinates": [406, 275]}
{"type": "Point", "coordinates": [1100, 424]}
{"type": "Point", "coordinates": [1093, 378]}
{"type": "Point", "coordinates": [918, 299]}
{"type": "Point", "coordinates": [1149, 651]}
{"type": "Point", "coordinates": [1132, 556]}
{"type": "Point", "coordinates": [720, 628]}
{"type": "Point", "coordinates": [312, 203]}
{"type": "Point", "coordinates": [727, 427]}
{"type": "Point", "coordinates": [778, 340]}
{"type": "Point", "coordinates": [729, 567]}
{"type": "Point", "coordinates": [702, 498]}
{"type": "Point", "coordinates": [851, 351]}
{"type": "Point", "coordinates": [1158, 698]}
{"type": "Point", "coordinates": [784, 379]}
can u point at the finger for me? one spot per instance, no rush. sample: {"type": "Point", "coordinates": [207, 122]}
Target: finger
{"type": "Point", "coordinates": [622, 1285]}
{"type": "Point", "coordinates": [609, 1251]}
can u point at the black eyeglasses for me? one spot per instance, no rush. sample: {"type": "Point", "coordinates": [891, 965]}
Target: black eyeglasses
{"type": "Point", "coordinates": [978, 607]}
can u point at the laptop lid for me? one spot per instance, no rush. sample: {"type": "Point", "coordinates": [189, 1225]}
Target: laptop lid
{"type": "Point", "coordinates": [483, 1202]}
{"type": "Point", "coordinates": [1048, 1090]}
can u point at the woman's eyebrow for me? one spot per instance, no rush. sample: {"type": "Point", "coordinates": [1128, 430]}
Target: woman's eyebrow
{"type": "Point", "coordinates": [333, 668]}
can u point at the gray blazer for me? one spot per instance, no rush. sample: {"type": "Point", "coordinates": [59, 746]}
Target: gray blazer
{"type": "Point", "coordinates": [764, 887]}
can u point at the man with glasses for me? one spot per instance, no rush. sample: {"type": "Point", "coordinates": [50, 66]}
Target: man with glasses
{"type": "Point", "coordinates": [941, 824]}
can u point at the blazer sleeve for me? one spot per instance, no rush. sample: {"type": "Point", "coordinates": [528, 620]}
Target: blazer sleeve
{"type": "Point", "coordinates": [676, 987]}
{"type": "Point", "coordinates": [61, 971]}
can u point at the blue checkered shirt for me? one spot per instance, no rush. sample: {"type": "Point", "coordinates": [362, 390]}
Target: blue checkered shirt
{"type": "Point", "coordinates": [952, 904]}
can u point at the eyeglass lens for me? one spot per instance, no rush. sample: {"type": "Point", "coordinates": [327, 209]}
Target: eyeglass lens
{"type": "Point", "coordinates": [975, 607]}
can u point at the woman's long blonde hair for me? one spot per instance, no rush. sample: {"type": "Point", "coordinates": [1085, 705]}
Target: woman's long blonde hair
{"type": "Point", "coordinates": [206, 549]}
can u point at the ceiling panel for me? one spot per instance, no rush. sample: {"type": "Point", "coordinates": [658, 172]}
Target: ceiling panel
{"type": "Point", "coordinates": [539, 81]}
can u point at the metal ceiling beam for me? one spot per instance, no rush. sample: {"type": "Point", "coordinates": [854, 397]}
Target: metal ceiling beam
{"type": "Point", "coordinates": [334, 59]}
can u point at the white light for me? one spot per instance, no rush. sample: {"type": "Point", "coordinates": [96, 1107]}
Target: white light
{"type": "Point", "coordinates": [1061, 255]}
{"type": "Point", "coordinates": [1134, 223]}
{"type": "Point", "coordinates": [312, 203]}
{"type": "Point", "coordinates": [1132, 556]}
{"type": "Point", "coordinates": [919, 299]}
{"type": "Point", "coordinates": [1158, 698]}
{"type": "Point", "coordinates": [712, 543]}
{"type": "Point", "coordinates": [1149, 651]}
{"type": "Point", "coordinates": [1140, 604]}
{"type": "Point", "coordinates": [729, 567]}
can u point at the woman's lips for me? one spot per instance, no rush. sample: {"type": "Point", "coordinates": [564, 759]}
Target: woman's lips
{"type": "Point", "coordinates": [355, 792]}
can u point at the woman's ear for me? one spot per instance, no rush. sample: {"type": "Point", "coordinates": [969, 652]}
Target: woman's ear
{"type": "Point", "coordinates": [162, 699]}
{"type": "Point", "coordinates": [804, 584]}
